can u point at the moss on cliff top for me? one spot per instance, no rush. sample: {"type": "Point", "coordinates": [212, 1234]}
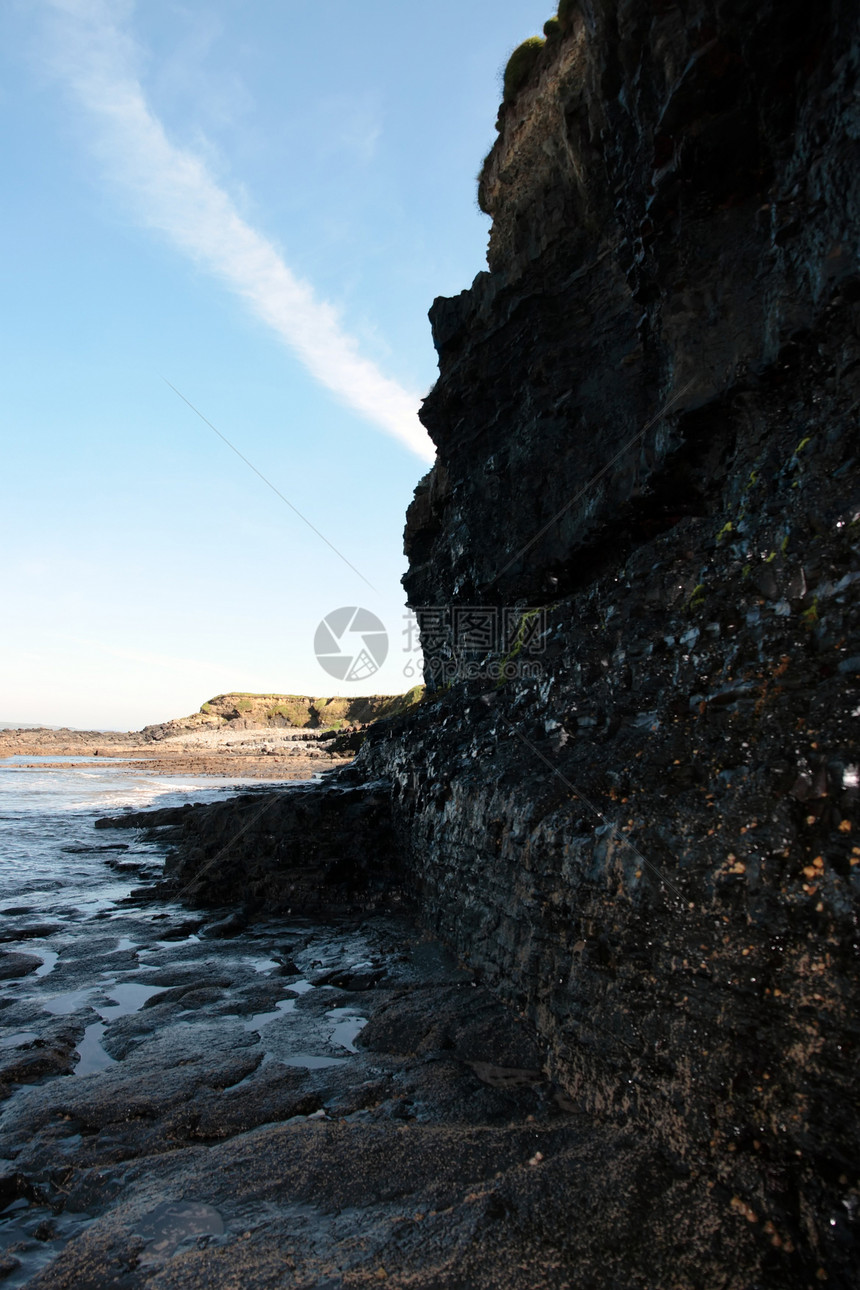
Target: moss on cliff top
{"type": "Point", "coordinates": [523, 59]}
{"type": "Point", "coordinates": [517, 74]}
{"type": "Point", "coordinates": [520, 65]}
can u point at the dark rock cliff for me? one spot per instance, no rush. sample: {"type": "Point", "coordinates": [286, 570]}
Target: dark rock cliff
{"type": "Point", "coordinates": [675, 199]}
{"type": "Point", "coordinates": [632, 802]}
{"type": "Point", "coordinates": [646, 419]}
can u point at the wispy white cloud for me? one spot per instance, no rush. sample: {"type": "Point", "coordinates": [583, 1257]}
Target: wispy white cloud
{"type": "Point", "coordinates": [174, 191]}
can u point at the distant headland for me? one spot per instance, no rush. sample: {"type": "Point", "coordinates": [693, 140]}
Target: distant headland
{"type": "Point", "coordinates": [257, 736]}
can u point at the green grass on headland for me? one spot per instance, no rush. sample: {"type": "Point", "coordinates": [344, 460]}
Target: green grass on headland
{"type": "Point", "coordinates": [305, 711]}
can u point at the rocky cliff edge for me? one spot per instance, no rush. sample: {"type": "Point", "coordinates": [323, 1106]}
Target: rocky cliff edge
{"type": "Point", "coordinates": [630, 798]}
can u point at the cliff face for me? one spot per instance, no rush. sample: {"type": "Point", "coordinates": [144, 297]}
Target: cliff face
{"type": "Point", "coordinates": [674, 200]}
{"type": "Point", "coordinates": [261, 711]}
{"type": "Point", "coordinates": [644, 833]}
{"type": "Point", "coordinates": [646, 420]}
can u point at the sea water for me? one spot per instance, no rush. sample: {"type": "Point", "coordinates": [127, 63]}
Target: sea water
{"type": "Point", "coordinates": [64, 889]}
{"type": "Point", "coordinates": [49, 851]}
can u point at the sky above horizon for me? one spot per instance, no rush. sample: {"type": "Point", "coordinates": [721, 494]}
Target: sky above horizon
{"type": "Point", "coordinates": [240, 213]}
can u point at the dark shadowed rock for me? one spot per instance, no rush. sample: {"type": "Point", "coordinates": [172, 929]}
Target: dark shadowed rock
{"type": "Point", "coordinates": [17, 965]}
{"type": "Point", "coordinates": [231, 925]}
{"type": "Point", "coordinates": [27, 932]}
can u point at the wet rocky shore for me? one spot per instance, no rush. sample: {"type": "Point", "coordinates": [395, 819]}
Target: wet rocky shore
{"type": "Point", "coordinates": [628, 803]}
{"type": "Point", "coordinates": [317, 1105]}
{"type": "Point", "coordinates": [629, 799]}
{"type": "Point", "coordinates": [193, 1099]}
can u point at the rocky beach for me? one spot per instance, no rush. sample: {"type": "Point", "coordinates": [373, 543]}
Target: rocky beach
{"type": "Point", "coordinates": [261, 754]}
{"type": "Point", "coordinates": [551, 979]}
{"type": "Point", "coordinates": [204, 1102]}
{"type": "Point", "coordinates": [269, 736]}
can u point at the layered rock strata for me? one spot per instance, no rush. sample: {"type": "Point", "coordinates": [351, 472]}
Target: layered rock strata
{"type": "Point", "coordinates": [634, 811]}
{"type": "Point", "coordinates": [310, 849]}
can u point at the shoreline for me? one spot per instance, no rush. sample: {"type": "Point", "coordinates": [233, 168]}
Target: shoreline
{"type": "Point", "coordinates": [203, 1096]}
{"type": "Point", "coordinates": [266, 754]}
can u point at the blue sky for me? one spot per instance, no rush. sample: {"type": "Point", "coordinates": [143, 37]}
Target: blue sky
{"type": "Point", "coordinates": [256, 202]}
